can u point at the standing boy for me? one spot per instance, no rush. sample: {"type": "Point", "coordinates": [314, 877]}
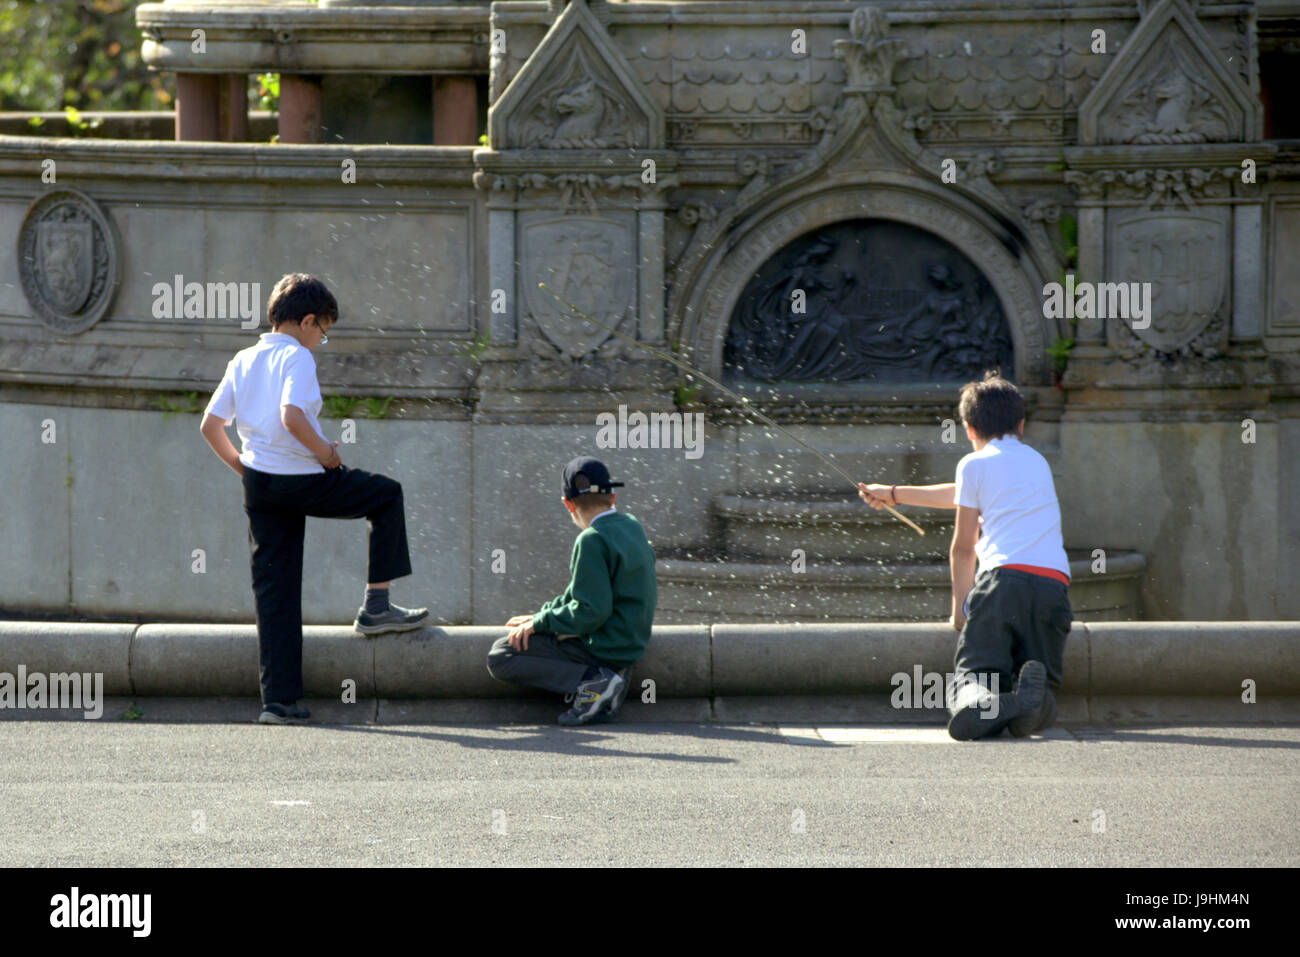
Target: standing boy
{"type": "Point", "coordinates": [291, 471]}
{"type": "Point", "coordinates": [1015, 616]}
{"type": "Point", "coordinates": [582, 642]}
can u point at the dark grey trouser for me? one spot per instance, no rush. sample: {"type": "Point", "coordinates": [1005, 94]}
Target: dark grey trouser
{"type": "Point", "coordinates": [549, 663]}
{"type": "Point", "coordinates": [1015, 617]}
{"type": "Point", "coordinates": [277, 507]}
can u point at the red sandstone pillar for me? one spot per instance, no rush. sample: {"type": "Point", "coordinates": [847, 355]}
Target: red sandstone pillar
{"type": "Point", "coordinates": [232, 107]}
{"type": "Point", "coordinates": [300, 108]}
{"type": "Point", "coordinates": [455, 111]}
{"type": "Point", "coordinates": [196, 106]}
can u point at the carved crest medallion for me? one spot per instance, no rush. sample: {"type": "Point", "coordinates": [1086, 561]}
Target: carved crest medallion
{"type": "Point", "coordinates": [67, 261]}
{"type": "Point", "coordinates": [586, 261]}
{"type": "Point", "coordinates": [1186, 258]}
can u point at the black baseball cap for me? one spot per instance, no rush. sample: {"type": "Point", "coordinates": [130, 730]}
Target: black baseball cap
{"type": "Point", "coordinates": [595, 472]}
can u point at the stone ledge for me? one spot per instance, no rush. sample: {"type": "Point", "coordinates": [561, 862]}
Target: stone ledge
{"type": "Point", "coordinates": [1130, 664]}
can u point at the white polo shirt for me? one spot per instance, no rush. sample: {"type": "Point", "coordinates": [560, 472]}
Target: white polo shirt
{"type": "Point", "coordinates": [1020, 518]}
{"type": "Point", "coordinates": [259, 381]}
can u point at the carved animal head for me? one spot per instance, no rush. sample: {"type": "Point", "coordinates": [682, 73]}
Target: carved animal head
{"type": "Point", "coordinates": [582, 98]}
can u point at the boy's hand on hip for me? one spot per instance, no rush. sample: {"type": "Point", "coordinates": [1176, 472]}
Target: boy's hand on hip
{"type": "Point", "coordinates": [333, 460]}
{"type": "Point", "coordinates": [957, 620]}
{"type": "Point", "coordinates": [519, 635]}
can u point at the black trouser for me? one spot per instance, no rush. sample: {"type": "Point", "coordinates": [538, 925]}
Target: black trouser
{"type": "Point", "coordinates": [277, 508]}
{"type": "Point", "coordinates": [1014, 617]}
{"type": "Point", "coordinates": [549, 663]}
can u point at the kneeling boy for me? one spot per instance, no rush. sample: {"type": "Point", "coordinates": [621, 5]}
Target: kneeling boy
{"type": "Point", "coordinates": [582, 642]}
{"type": "Point", "coordinates": [1015, 616]}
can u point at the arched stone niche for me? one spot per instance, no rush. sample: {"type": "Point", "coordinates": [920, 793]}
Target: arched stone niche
{"type": "Point", "coordinates": [867, 300]}
{"type": "Point", "coordinates": [718, 283]}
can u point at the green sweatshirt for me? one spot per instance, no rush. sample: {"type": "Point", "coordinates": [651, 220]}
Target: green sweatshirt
{"type": "Point", "coordinates": [610, 601]}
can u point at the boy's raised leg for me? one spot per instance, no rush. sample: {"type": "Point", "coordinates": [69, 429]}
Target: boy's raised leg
{"type": "Point", "coordinates": [352, 493]}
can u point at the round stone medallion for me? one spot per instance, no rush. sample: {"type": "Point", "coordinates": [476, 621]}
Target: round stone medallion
{"type": "Point", "coordinates": [68, 261]}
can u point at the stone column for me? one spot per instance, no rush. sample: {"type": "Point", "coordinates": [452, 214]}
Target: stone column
{"type": "Point", "coordinates": [455, 111]}
{"type": "Point", "coordinates": [1247, 272]}
{"type": "Point", "coordinates": [650, 249]}
{"type": "Point", "coordinates": [197, 109]}
{"type": "Point", "coordinates": [300, 108]}
{"type": "Point", "coordinates": [501, 274]}
{"type": "Point", "coordinates": [1092, 266]}
{"type": "Point", "coordinates": [232, 107]}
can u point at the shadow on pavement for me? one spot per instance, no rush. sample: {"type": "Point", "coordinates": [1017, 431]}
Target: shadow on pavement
{"type": "Point", "coordinates": [580, 741]}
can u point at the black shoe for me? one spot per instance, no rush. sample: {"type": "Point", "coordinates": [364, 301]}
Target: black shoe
{"type": "Point", "coordinates": [593, 697]}
{"type": "Point", "coordinates": [1031, 696]}
{"type": "Point", "coordinates": [1023, 725]}
{"type": "Point", "coordinates": [396, 618]}
{"type": "Point", "coordinates": [975, 715]}
{"type": "Point", "coordinates": [283, 713]}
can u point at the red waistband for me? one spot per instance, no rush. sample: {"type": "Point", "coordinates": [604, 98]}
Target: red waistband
{"type": "Point", "coordinates": [1051, 573]}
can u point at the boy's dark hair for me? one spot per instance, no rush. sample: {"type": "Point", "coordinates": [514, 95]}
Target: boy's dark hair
{"type": "Point", "coordinates": [297, 295]}
{"type": "Point", "coordinates": [992, 406]}
{"type": "Point", "coordinates": [589, 501]}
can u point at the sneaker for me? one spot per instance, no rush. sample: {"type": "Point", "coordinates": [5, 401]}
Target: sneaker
{"type": "Point", "coordinates": [396, 618]}
{"type": "Point", "coordinates": [1031, 696]}
{"type": "Point", "coordinates": [593, 697]}
{"type": "Point", "coordinates": [974, 700]}
{"type": "Point", "coordinates": [617, 701]}
{"type": "Point", "coordinates": [1022, 725]}
{"type": "Point", "coordinates": [283, 713]}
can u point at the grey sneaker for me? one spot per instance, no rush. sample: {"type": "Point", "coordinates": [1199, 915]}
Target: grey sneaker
{"type": "Point", "coordinates": [396, 618]}
{"type": "Point", "coordinates": [593, 697]}
{"type": "Point", "coordinates": [615, 703]}
{"type": "Point", "coordinates": [281, 712]}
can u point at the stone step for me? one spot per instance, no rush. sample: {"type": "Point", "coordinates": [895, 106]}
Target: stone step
{"type": "Point", "coordinates": [827, 527]}
{"type": "Point", "coordinates": [709, 590]}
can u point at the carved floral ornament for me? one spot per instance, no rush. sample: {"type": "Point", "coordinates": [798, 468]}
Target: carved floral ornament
{"type": "Point", "coordinates": [869, 54]}
{"type": "Point", "coordinates": [1156, 187]}
{"type": "Point", "coordinates": [577, 191]}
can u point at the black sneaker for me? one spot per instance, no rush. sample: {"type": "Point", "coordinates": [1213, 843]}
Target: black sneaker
{"type": "Point", "coordinates": [974, 719]}
{"type": "Point", "coordinates": [593, 697]}
{"type": "Point", "coordinates": [396, 618]}
{"type": "Point", "coordinates": [1031, 696]}
{"type": "Point", "coordinates": [1024, 725]}
{"type": "Point", "coordinates": [278, 712]}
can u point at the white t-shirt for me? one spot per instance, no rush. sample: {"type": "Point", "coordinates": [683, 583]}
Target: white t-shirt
{"type": "Point", "coordinates": [1020, 518]}
{"type": "Point", "coordinates": [259, 381]}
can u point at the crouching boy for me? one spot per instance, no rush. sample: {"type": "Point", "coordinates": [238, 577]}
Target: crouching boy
{"type": "Point", "coordinates": [581, 643]}
{"type": "Point", "coordinates": [1015, 615]}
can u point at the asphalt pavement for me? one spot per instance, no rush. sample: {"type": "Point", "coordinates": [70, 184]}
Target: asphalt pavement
{"type": "Point", "coordinates": [116, 793]}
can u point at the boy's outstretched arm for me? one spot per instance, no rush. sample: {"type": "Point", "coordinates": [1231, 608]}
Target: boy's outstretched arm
{"type": "Point", "coordinates": [214, 430]}
{"type": "Point", "coordinates": [926, 496]}
{"type": "Point", "coordinates": [962, 560]}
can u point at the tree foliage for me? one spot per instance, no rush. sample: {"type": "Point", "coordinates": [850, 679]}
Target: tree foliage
{"type": "Point", "coordinates": [79, 53]}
